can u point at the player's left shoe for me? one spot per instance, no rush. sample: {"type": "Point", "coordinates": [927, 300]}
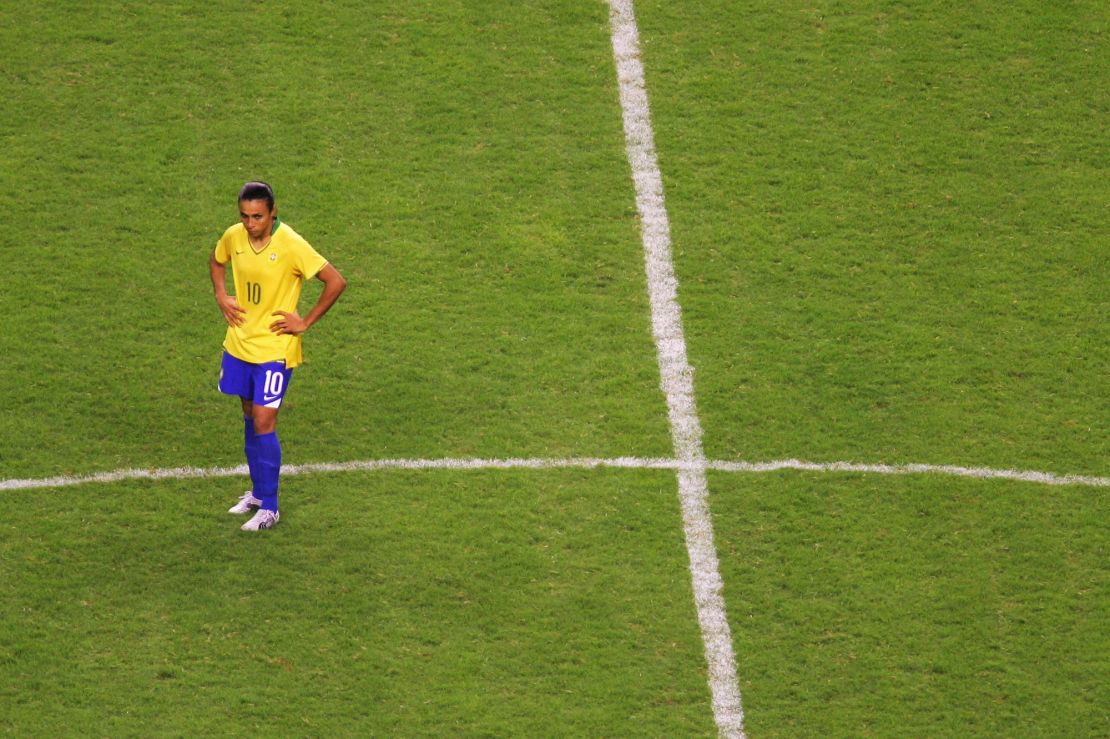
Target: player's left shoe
{"type": "Point", "coordinates": [263, 519]}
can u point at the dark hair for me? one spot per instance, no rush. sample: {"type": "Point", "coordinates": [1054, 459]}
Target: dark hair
{"type": "Point", "coordinates": [257, 190]}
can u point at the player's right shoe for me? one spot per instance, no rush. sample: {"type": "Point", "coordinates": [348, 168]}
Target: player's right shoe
{"type": "Point", "coordinates": [247, 503]}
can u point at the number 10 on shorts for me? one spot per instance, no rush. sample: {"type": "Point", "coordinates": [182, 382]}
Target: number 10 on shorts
{"type": "Point", "coordinates": [274, 381]}
{"type": "Point", "coordinates": [274, 384]}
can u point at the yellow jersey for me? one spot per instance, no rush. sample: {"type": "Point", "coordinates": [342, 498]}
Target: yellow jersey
{"type": "Point", "coordinates": [267, 280]}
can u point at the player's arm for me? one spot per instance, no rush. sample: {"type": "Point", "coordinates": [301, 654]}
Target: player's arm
{"type": "Point", "coordinates": [229, 306]}
{"type": "Point", "coordinates": [291, 323]}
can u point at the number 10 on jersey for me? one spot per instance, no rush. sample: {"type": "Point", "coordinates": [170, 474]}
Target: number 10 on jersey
{"type": "Point", "coordinates": [254, 293]}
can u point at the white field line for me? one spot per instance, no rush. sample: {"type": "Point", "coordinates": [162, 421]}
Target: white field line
{"type": "Point", "coordinates": [983, 473]}
{"type": "Point", "coordinates": [676, 375]}
{"type": "Point", "coordinates": [583, 463]}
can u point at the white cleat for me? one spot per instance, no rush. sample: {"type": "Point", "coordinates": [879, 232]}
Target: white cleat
{"type": "Point", "coordinates": [247, 503]}
{"type": "Point", "coordinates": [263, 519]}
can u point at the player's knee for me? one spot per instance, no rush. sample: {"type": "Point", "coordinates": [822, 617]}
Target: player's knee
{"type": "Point", "coordinates": [264, 423]}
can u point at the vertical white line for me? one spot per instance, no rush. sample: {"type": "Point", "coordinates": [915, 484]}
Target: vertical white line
{"type": "Point", "coordinates": [676, 375]}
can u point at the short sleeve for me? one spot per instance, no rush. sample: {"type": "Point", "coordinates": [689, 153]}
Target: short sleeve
{"type": "Point", "coordinates": [308, 262]}
{"type": "Point", "coordinates": [223, 248]}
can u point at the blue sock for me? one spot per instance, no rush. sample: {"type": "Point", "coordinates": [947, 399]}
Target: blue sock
{"type": "Point", "coordinates": [250, 447]}
{"type": "Point", "coordinates": [268, 458]}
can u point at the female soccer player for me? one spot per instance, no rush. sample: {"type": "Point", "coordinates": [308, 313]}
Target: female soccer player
{"type": "Point", "coordinates": [270, 262]}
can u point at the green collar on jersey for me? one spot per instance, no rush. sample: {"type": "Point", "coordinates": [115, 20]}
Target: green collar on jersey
{"type": "Point", "coordinates": [277, 222]}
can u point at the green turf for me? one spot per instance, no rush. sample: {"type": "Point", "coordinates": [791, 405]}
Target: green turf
{"type": "Point", "coordinates": [425, 603]}
{"type": "Point", "coordinates": [874, 606]}
{"type": "Point", "coordinates": [483, 221]}
{"type": "Point", "coordinates": [888, 228]}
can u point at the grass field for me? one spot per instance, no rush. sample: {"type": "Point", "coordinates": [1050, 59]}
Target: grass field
{"type": "Point", "coordinates": [889, 227]}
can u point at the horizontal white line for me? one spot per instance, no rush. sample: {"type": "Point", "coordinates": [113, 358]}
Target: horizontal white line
{"type": "Point", "coordinates": [1045, 478]}
{"type": "Point", "coordinates": [175, 473]}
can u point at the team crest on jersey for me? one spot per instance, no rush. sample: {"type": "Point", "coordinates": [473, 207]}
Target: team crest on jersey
{"type": "Point", "coordinates": [273, 256]}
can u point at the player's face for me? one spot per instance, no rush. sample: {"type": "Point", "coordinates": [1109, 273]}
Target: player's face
{"type": "Point", "coordinates": [256, 217]}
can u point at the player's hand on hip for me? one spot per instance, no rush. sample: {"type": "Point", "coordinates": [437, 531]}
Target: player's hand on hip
{"type": "Point", "coordinates": [234, 313]}
{"type": "Point", "coordinates": [289, 323]}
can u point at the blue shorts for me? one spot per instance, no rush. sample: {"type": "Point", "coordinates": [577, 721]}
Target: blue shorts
{"type": "Point", "coordinates": [262, 384]}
